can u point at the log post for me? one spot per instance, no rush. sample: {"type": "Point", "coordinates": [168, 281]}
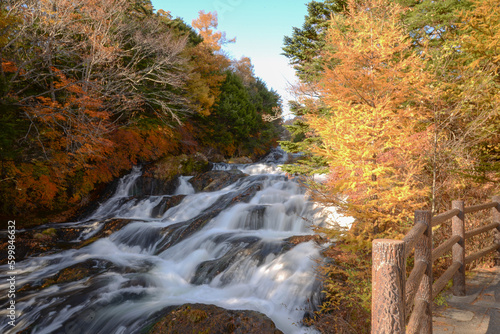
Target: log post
{"type": "Point", "coordinates": [495, 217]}
{"type": "Point", "coordinates": [423, 252]}
{"type": "Point", "coordinates": [458, 250]}
{"type": "Point", "coordinates": [388, 286]}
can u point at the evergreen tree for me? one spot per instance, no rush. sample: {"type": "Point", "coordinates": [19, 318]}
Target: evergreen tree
{"type": "Point", "coordinates": [432, 21]}
{"type": "Point", "coordinates": [303, 48]}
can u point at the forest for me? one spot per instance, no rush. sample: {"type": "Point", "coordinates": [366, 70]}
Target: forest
{"type": "Point", "coordinates": [90, 88]}
{"type": "Point", "coordinates": [398, 102]}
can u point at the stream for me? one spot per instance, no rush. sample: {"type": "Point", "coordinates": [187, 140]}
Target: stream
{"type": "Point", "coordinates": [238, 258]}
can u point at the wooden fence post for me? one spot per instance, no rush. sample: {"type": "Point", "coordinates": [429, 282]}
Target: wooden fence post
{"type": "Point", "coordinates": [423, 252]}
{"type": "Point", "coordinates": [388, 286]}
{"type": "Point", "coordinates": [495, 215]}
{"type": "Point", "coordinates": [458, 250]}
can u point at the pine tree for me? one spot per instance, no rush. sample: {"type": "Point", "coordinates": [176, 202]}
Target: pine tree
{"type": "Point", "coordinates": [306, 43]}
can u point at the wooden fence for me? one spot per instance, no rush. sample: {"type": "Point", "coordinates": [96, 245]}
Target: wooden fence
{"type": "Point", "coordinates": [401, 305]}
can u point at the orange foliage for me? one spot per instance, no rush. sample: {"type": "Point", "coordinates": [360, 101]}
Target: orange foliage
{"type": "Point", "coordinates": [9, 67]}
{"type": "Point", "coordinates": [81, 148]}
{"type": "Point", "coordinates": [187, 140]}
{"type": "Point", "coordinates": [374, 87]}
{"type": "Point", "coordinates": [206, 77]}
{"type": "Point", "coordinates": [76, 123]}
{"type": "Point", "coordinates": [208, 65]}
{"type": "Point", "coordinates": [205, 23]}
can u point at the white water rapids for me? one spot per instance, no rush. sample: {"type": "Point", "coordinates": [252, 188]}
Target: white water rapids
{"type": "Point", "coordinates": [260, 271]}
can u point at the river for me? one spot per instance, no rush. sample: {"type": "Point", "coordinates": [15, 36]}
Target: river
{"type": "Point", "coordinates": [239, 259]}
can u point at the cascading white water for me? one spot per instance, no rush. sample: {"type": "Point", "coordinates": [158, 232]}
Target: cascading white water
{"type": "Point", "coordinates": [185, 188]}
{"type": "Point", "coordinates": [238, 260]}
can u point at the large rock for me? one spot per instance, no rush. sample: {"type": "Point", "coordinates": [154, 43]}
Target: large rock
{"type": "Point", "coordinates": [161, 178]}
{"type": "Point", "coordinates": [166, 203]}
{"type": "Point", "coordinates": [76, 272]}
{"type": "Point", "coordinates": [198, 318]}
{"type": "Point", "coordinates": [216, 179]}
{"type": "Point", "coordinates": [241, 160]}
{"type": "Point", "coordinates": [244, 247]}
{"type": "Point", "coordinates": [170, 167]}
{"type": "Point", "coordinates": [147, 185]}
{"type": "Point", "coordinates": [38, 241]}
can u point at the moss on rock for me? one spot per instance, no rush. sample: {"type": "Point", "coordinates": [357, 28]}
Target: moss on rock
{"type": "Point", "coordinates": [170, 167]}
{"type": "Point", "coordinates": [198, 318]}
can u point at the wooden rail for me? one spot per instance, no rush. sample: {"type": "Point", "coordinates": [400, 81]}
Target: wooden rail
{"type": "Point", "coordinates": [401, 305]}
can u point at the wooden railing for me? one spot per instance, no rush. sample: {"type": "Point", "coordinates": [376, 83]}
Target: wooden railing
{"type": "Point", "coordinates": [401, 305]}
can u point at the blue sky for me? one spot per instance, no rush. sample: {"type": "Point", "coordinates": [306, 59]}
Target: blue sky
{"type": "Point", "coordinates": [259, 27]}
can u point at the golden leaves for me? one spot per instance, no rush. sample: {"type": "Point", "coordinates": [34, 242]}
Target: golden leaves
{"type": "Point", "coordinates": [211, 38]}
{"type": "Point", "coordinates": [373, 90]}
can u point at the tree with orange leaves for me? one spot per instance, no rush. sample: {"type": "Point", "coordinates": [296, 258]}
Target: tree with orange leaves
{"type": "Point", "coordinates": [208, 64]}
{"type": "Point", "coordinates": [375, 88]}
{"type": "Point", "coordinates": [206, 23]}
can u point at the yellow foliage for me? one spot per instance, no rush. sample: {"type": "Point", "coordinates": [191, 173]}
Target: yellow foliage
{"type": "Point", "coordinates": [483, 37]}
{"type": "Point", "coordinates": [205, 24]}
{"type": "Point", "coordinates": [375, 88]}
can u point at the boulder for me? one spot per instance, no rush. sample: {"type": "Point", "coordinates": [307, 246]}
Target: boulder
{"type": "Point", "coordinates": [37, 241]}
{"type": "Point", "coordinates": [170, 167]}
{"type": "Point", "coordinates": [198, 318]}
{"type": "Point", "coordinates": [241, 160]}
{"type": "Point", "coordinates": [216, 179]}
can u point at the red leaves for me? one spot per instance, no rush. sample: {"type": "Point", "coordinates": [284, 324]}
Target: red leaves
{"type": "Point", "coordinates": [9, 67]}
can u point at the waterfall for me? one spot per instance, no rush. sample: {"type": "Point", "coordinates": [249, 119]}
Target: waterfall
{"type": "Point", "coordinates": [227, 247]}
{"type": "Point", "coordinates": [185, 188]}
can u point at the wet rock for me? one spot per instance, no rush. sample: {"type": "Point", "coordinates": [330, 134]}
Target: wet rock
{"type": "Point", "coordinates": [240, 160]}
{"type": "Point", "coordinates": [53, 238]}
{"type": "Point", "coordinates": [151, 186]}
{"type": "Point", "coordinates": [257, 254]}
{"type": "Point", "coordinates": [197, 318]}
{"type": "Point", "coordinates": [275, 156]}
{"type": "Point", "coordinates": [216, 179]}
{"type": "Point", "coordinates": [165, 204]}
{"type": "Point", "coordinates": [254, 220]}
{"type": "Point", "coordinates": [109, 227]}
{"type": "Point", "coordinates": [73, 273]}
{"type": "Point", "coordinates": [161, 178]}
{"type": "Point", "coordinates": [240, 247]}
{"type": "Point", "coordinates": [90, 203]}
{"type": "Point", "coordinates": [170, 167]}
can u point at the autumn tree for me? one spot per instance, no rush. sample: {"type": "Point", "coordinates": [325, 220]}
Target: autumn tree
{"type": "Point", "coordinates": [373, 135]}
{"type": "Point", "coordinates": [244, 68]}
{"type": "Point", "coordinates": [207, 63]}
{"type": "Point", "coordinates": [432, 23]}
{"type": "Point", "coordinates": [465, 107]}
{"type": "Point", "coordinates": [304, 50]}
{"type": "Point", "coordinates": [74, 74]}
{"type": "Point", "coordinates": [89, 88]}
{"type": "Point", "coordinates": [206, 23]}
{"type": "Point", "coordinates": [481, 42]}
